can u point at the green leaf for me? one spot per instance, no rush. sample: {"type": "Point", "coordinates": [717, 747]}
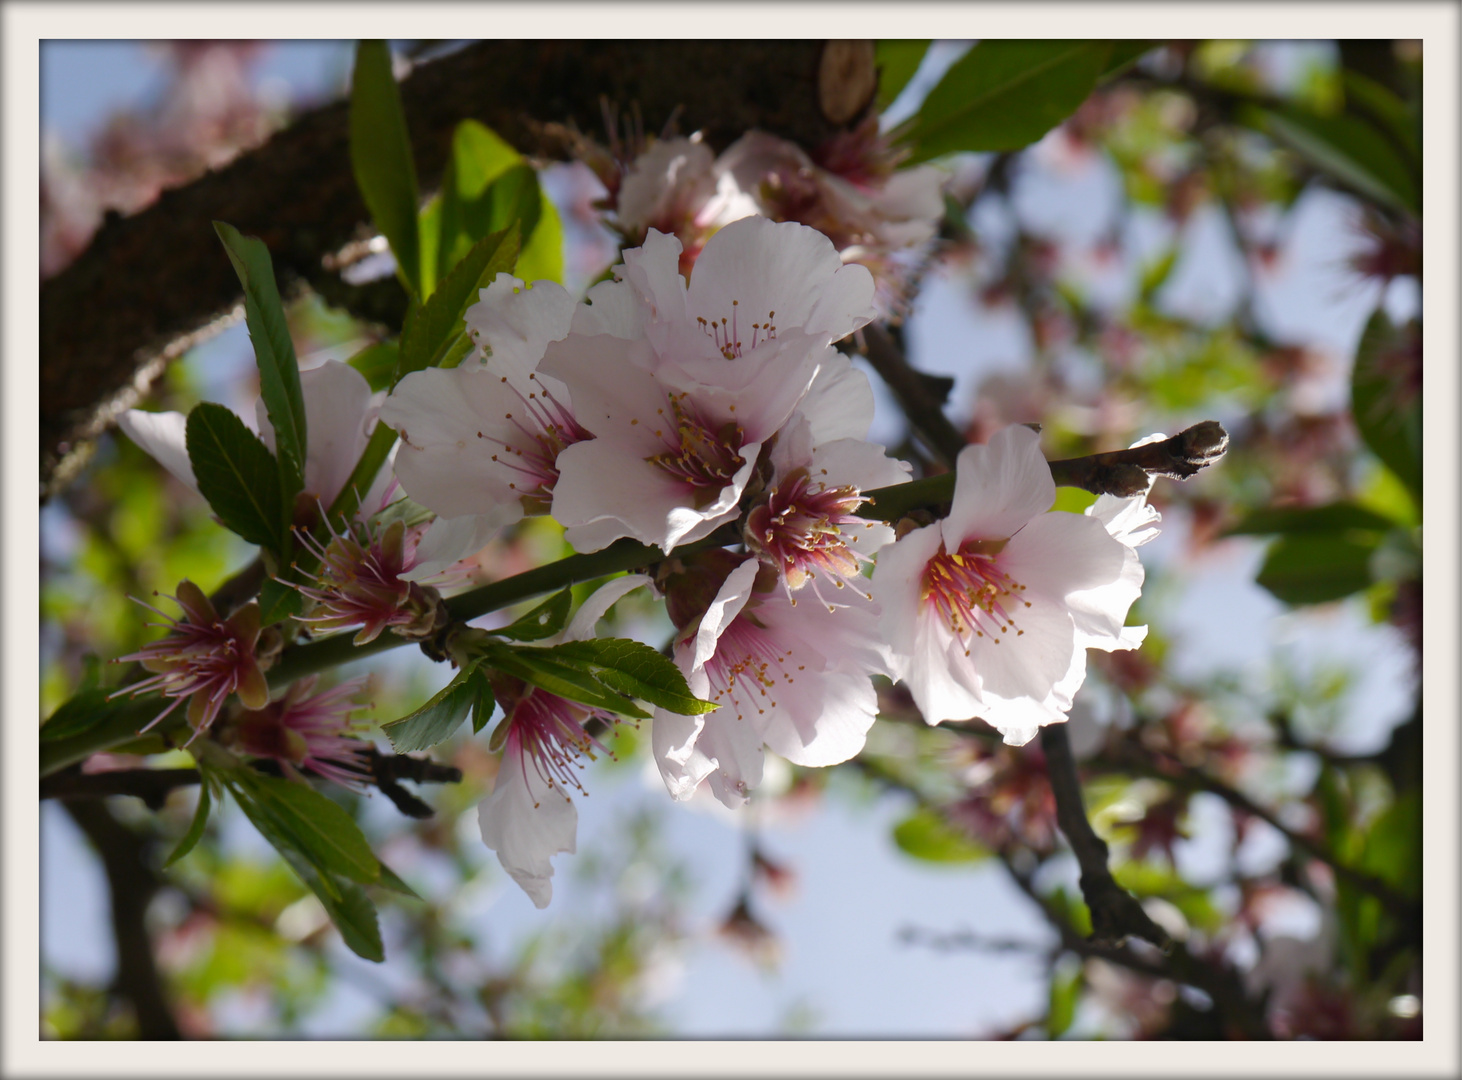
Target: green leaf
{"type": "Point", "coordinates": [1392, 115]}
{"type": "Point", "coordinates": [1073, 500]}
{"type": "Point", "coordinates": [632, 667]}
{"type": "Point", "coordinates": [279, 376]}
{"type": "Point", "coordinates": [1004, 95]}
{"type": "Point", "coordinates": [278, 601]}
{"type": "Point", "coordinates": [380, 154]}
{"type": "Point", "coordinates": [1393, 844]}
{"type": "Point", "coordinates": [195, 830]}
{"type": "Point", "coordinates": [432, 329]}
{"type": "Point", "coordinates": [547, 619]}
{"type": "Point", "coordinates": [478, 158]}
{"type": "Point", "coordinates": [88, 708]}
{"type": "Point", "coordinates": [542, 258]}
{"type": "Point", "coordinates": [1387, 411]}
{"type": "Point", "coordinates": [377, 363]}
{"type": "Point", "coordinates": [437, 719]}
{"type": "Point", "coordinates": [1313, 568]}
{"type": "Point", "coordinates": [927, 836]}
{"type": "Point", "coordinates": [1123, 55]}
{"type": "Point", "coordinates": [390, 880]}
{"type": "Point", "coordinates": [429, 234]}
{"type": "Point", "coordinates": [307, 822]}
{"type": "Point", "coordinates": [897, 60]}
{"type": "Point", "coordinates": [237, 474]}
{"type": "Point", "coordinates": [483, 702]}
{"type": "Point", "coordinates": [348, 906]}
{"type": "Point", "coordinates": [1347, 148]}
{"type": "Point", "coordinates": [1331, 518]}
{"type": "Point", "coordinates": [1065, 991]}
{"type": "Point", "coordinates": [540, 668]}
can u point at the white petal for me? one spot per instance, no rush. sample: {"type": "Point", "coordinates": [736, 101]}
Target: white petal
{"type": "Point", "coordinates": [449, 540]}
{"type": "Point", "coordinates": [1071, 561]}
{"type": "Point", "coordinates": [163, 436]}
{"type": "Point", "coordinates": [1132, 521]}
{"type": "Point", "coordinates": [581, 627]}
{"type": "Point", "coordinates": [864, 465]}
{"type": "Point", "coordinates": [517, 322]}
{"type": "Point", "coordinates": [611, 307]}
{"type": "Point", "coordinates": [339, 417]}
{"type": "Point", "coordinates": [729, 601]}
{"type": "Point", "coordinates": [783, 271]}
{"type": "Point", "coordinates": [526, 820]}
{"type": "Point", "coordinates": [452, 423]}
{"type": "Point", "coordinates": [654, 270]}
{"type": "Point", "coordinates": [999, 487]}
{"type": "Point", "coordinates": [839, 403]}
{"type": "Point", "coordinates": [673, 740]}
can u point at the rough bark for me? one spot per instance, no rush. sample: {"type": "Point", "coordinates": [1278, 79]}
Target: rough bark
{"type": "Point", "coordinates": [151, 281]}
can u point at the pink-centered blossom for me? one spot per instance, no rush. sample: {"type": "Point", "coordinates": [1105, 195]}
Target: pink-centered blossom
{"type": "Point", "coordinates": [850, 189]}
{"type": "Point", "coordinates": [683, 385]}
{"type": "Point", "coordinates": [806, 525]}
{"type": "Point", "coordinates": [792, 678]}
{"type": "Point", "coordinates": [480, 442]}
{"type": "Point", "coordinates": [529, 817]}
{"type": "Point", "coordinates": [204, 659]}
{"type": "Point", "coordinates": [308, 730]}
{"type": "Point", "coordinates": [990, 611]}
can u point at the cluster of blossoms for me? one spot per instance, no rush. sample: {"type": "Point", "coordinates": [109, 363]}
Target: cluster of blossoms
{"type": "Point", "coordinates": [669, 411]}
{"type": "Point", "coordinates": [665, 410]}
{"type": "Point", "coordinates": [850, 189]}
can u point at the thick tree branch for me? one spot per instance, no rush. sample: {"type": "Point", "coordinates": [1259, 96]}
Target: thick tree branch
{"type": "Point", "coordinates": [1126, 472]}
{"type": "Point", "coordinates": [132, 883]}
{"type": "Point", "coordinates": [127, 304]}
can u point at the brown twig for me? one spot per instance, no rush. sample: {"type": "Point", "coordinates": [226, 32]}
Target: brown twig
{"type": "Point", "coordinates": [1115, 913]}
{"type": "Point", "coordinates": [1126, 472]}
{"type": "Point", "coordinates": [132, 883]}
{"type": "Point", "coordinates": [921, 396]}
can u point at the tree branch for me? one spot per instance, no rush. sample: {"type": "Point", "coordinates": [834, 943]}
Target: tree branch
{"type": "Point", "coordinates": [150, 280]}
{"type": "Point", "coordinates": [918, 394]}
{"type": "Point", "coordinates": [132, 884]}
{"type": "Point", "coordinates": [1115, 913]}
{"type": "Point", "coordinates": [1126, 472]}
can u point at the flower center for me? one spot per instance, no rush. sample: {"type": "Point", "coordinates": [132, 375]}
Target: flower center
{"type": "Point", "coordinates": [547, 426]}
{"type": "Point", "coordinates": [703, 458]}
{"type": "Point", "coordinates": [800, 531]}
{"type": "Point", "coordinates": [971, 593]}
{"type": "Point", "coordinates": [550, 733]}
{"type": "Point", "coordinates": [727, 333]}
{"type": "Point", "coordinates": [747, 668]}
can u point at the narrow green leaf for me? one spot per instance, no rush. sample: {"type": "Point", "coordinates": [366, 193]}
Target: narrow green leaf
{"type": "Point", "coordinates": [1330, 518]}
{"type": "Point", "coordinates": [1123, 55]}
{"type": "Point", "coordinates": [237, 474]}
{"type": "Point", "coordinates": [380, 154]}
{"type": "Point", "coordinates": [312, 824]}
{"type": "Point", "coordinates": [540, 668]}
{"type": "Point", "coordinates": [348, 906]}
{"type": "Point", "coordinates": [1385, 398]}
{"type": "Point", "coordinates": [1065, 990]}
{"type": "Point", "coordinates": [279, 376]}
{"type": "Point", "coordinates": [429, 235]}
{"type": "Point", "coordinates": [89, 708]}
{"type": "Point", "coordinates": [377, 363]}
{"type": "Point", "coordinates": [390, 880]}
{"type": "Point", "coordinates": [483, 699]}
{"type": "Point", "coordinates": [436, 720]}
{"type": "Point", "coordinates": [433, 328]}
{"type": "Point", "coordinates": [547, 619]}
{"type": "Point", "coordinates": [632, 667]}
{"type": "Point", "coordinates": [1390, 114]}
{"type": "Point", "coordinates": [1004, 95]}
{"type": "Point", "coordinates": [1313, 568]}
{"type": "Point", "coordinates": [927, 836]}
{"type": "Point", "coordinates": [195, 830]}
{"type": "Point", "coordinates": [1349, 149]}
{"type": "Point", "coordinates": [897, 59]}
